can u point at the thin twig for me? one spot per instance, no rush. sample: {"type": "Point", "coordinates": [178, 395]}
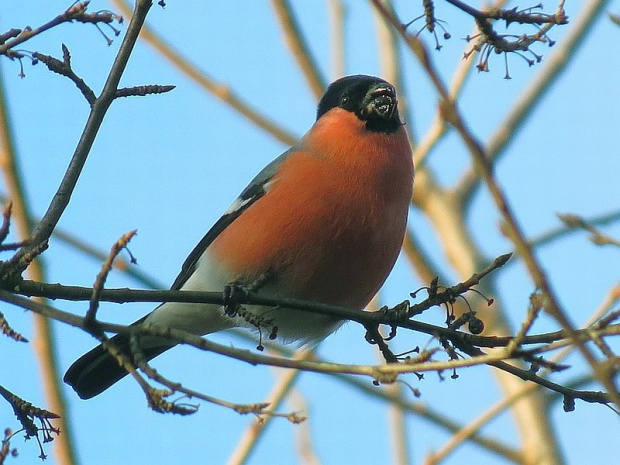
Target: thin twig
{"type": "Point", "coordinates": [438, 128]}
{"type": "Point", "coordinates": [536, 305]}
{"type": "Point", "coordinates": [27, 413]}
{"type": "Point", "coordinates": [8, 207]}
{"type": "Point", "coordinates": [157, 397]}
{"type": "Point", "coordinates": [119, 245]}
{"type": "Point", "coordinates": [64, 69]}
{"type": "Point", "coordinates": [5, 328]}
{"type": "Point", "coordinates": [597, 237]}
{"type": "Point", "coordinates": [71, 13]}
{"type": "Point", "coordinates": [440, 297]}
{"type": "Point", "coordinates": [557, 233]}
{"type": "Point", "coordinates": [141, 91]}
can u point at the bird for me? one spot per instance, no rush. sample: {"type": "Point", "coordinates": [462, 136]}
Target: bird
{"type": "Point", "coordinates": [323, 222]}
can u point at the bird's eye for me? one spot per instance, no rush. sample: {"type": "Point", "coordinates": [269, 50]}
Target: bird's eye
{"type": "Point", "coordinates": [344, 100]}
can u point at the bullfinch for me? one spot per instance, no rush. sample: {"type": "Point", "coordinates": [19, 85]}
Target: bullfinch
{"type": "Point", "coordinates": [323, 222]}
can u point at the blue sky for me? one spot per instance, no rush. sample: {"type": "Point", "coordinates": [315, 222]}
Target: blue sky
{"type": "Point", "coordinates": [169, 165]}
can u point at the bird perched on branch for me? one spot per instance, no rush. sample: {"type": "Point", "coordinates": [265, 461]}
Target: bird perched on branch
{"type": "Point", "coordinates": [323, 222]}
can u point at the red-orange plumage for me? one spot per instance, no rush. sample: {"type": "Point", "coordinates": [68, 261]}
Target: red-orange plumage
{"type": "Point", "coordinates": [333, 219]}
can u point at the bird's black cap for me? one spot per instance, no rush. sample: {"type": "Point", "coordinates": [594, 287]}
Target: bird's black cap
{"type": "Point", "coordinates": [372, 99]}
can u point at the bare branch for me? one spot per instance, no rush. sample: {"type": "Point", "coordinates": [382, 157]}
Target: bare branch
{"type": "Point", "coordinates": [27, 33]}
{"type": "Point", "coordinates": [10, 332]}
{"type": "Point", "coordinates": [76, 12]}
{"type": "Point", "coordinates": [463, 342]}
{"type": "Point", "coordinates": [598, 220]}
{"type": "Point", "coordinates": [118, 246]}
{"type": "Point", "coordinates": [27, 413]}
{"type": "Point", "coordinates": [64, 69]}
{"type": "Point", "coordinates": [99, 108]}
{"type": "Point", "coordinates": [597, 237]}
{"type": "Point", "coordinates": [141, 91]}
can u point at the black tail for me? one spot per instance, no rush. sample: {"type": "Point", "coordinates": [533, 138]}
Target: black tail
{"type": "Point", "coordinates": [97, 370]}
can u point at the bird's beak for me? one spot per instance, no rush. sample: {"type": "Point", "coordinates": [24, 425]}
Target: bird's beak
{"type": "Point", "coordinates": [381, 102]}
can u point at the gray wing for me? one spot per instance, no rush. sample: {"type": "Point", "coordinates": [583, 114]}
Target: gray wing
{"type": "Point", "coordinates": [254, 191]}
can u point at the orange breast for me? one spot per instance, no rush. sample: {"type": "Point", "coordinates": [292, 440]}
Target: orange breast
{"type": "Point", "coordinates": [331, 226]}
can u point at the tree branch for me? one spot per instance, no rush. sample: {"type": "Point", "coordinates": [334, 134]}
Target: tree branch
{"type": "Point", "coordinates": [466, 343]}
{"type": "Point", "coordinates": [99, 108]}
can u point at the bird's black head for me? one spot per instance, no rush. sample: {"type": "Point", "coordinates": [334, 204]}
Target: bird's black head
{"type": "Point", "coordinates": [373, 101]}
